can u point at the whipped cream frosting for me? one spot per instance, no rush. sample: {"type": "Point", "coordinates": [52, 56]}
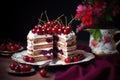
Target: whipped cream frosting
{"type": "Point", "coordinates": [67, 36]}
{"type": "Point", "coordinates": [33, 36]}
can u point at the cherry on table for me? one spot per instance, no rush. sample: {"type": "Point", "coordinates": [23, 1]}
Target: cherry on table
{"type": "Point", "coordinates": [43, 72]}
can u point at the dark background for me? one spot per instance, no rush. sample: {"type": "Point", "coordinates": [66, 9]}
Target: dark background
{"type": "Point", "coordinates": [19, 16]}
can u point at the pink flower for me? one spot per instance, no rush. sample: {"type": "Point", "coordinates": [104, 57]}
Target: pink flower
{"type": "Point", "coordinates": [93, 13]}
{"type": "Point", "coordinates": [89, 10]}
{"type": "Point", "coordinates": [81, 8]}
{"type": "Point", "coordinates": [80, 11]}
{"type": "Point", "coordinates": [98, 7]}
{"type": "Point", "coordinates": [87, 20]}
{"type": "Point", "coordinates": [77, 16]}
{"type": "Point", "coordinates": [79, 28]}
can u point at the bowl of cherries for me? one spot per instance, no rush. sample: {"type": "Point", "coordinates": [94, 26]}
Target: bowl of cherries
{"type": "Point", "coordinates": [10, 47]}
{"type": "Point", "coordinates": [19, 68]}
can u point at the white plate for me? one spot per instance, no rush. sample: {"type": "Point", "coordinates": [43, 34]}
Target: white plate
{"type": "Point", "coordinates": [87, 57]}
{"type": "Point", "coordinates": [18, 56]}
{"type": "Point", "coordinates": [8, 53]}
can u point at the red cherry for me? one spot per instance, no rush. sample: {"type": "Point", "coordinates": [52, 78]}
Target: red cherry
{"type": "Point", "coordinates": [59, 31]}
{"type": "Point", "coordinates": [28, 67]}
{"type": "Point", "coordinates": [81, 56]}
{"type": "Point", "coordinates": [12, 65]}
{"type": "Point", "coordinates": [56, 26]}
{"type": "Point", "coordinates": [65, 31]}
{"type": "Point", "coordinates": [39, 25]}
{"type": "Point", "coordinates": [43, 31]}
{"type": "Point", "coordinates": [54, 30]}
{"type": "Point", "coordinates": [35, 27]}
{"type": "Point", "coordinates": [10, 43]}
{"type": "Point", "coordinates": [49, 30]}
{"type": "Point", "coordinates": [63, 27]}
{"type": "Point", "coordinates": [17, 68]}
{"type": "Point", "coordinates": [26, 58]}
{"type": "Point", "coordinates": [76, 58]}
{"type": "Point", "coordinates": [48, 24]}
{"type": "Point", "coordinates": [68, 60]}
{"type": "Point", "coordinates": [17, 46]}
{"type": "Point", "coordinates": [68, 28]}
{"type": "Point", "coordinates": [34, 30]}
{"type": "Point", "coordinates": [3, 47]}
{"type": "Point", "coordinates": [38, 31]}
{"type": "Point", "coordinates": [12, 48]}
{"type": "Point", "coordinates": [43, 72]}
{"type": "Point", "coordinates": [31, 60]}
{"type": "Point", "coordinates": [22, 67]}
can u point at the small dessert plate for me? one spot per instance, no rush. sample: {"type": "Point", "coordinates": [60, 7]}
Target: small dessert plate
{"type": "Point", "coordinates": [20, 73]}
{"type": "Point", "coordinates": [9, 53]}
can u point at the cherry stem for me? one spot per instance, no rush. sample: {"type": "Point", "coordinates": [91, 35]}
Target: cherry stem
{"type": "Point", "coordinates": [41, 15]}
{"type": "Point", "coordinates": [46, 15]}
{"type": "Point", "coordinates": [71, 21]}
{"type": "Point", "coordinates": [40, 19]}
{"type": "Point", "coordinates": [58, 19]}
{"type": "Point", "coordinates": [65, 20]}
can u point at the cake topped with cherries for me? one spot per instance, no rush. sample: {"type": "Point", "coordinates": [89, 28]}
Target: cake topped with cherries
{"type": "Point", "coordinates": [51, 37]}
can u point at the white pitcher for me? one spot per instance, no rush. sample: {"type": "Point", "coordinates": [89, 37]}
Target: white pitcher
{"type": "Point", "coordinates": [102, 41]}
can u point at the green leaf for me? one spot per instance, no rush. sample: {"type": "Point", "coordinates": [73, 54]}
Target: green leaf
{"type": "Point", "coordinates": [108, 17]}
{"type": "Point", "coordinates": [97, 34]}
{"type": "Point", "coordinates": [90, 30]}
{"type": "Point", "coordinates": [91, 2]}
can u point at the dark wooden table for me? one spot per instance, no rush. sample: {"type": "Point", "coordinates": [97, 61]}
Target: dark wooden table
{"type": "Point", "coordinates": [4, 75]}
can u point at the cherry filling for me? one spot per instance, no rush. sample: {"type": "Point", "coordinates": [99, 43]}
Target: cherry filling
{"type": "Point", "coordinates": [49, 40]}
{"type": "Point", "coordinates": [45, 52]}
{"type": "Point", "coordinates": [61, 52]}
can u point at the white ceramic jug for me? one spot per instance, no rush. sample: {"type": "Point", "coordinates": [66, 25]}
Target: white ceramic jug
{"type": "Point", "coordinates": [102, 42]}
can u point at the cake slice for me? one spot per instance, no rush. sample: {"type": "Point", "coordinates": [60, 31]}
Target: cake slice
{"type": "Point", "coordinates": [39, 44]}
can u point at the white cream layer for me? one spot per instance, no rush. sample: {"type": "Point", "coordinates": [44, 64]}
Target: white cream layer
{"type": "Point", "coordinates": [68, 53]}
{"type": "Point", "coordinates": [68, 48]}
{"type": "Point", "coordinates": [67, 42]}
{"type": "Point", "coordinates": [29, 52]}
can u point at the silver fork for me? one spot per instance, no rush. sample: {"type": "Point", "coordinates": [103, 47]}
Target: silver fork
{"type": "Point", "coordinates": [45, 64]}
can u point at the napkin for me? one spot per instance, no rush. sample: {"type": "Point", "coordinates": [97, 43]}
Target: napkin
{"type": "Point", "coordinates": [101, 68]}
